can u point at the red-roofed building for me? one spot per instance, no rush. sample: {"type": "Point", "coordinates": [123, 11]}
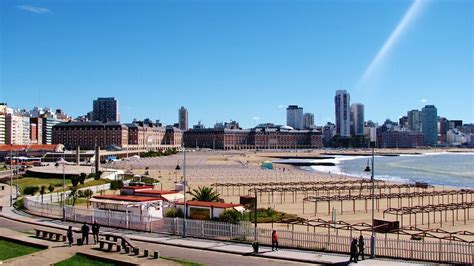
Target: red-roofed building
{"type": "Point", "coordinates": [168, 195]}
{"type": "Point", "coordinates": [204, 210]}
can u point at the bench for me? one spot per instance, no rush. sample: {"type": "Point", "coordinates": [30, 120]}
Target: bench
{"type": "Point", "coordinates": [109, 243]}
{"type": "Point", "coordinates": [53, 236]}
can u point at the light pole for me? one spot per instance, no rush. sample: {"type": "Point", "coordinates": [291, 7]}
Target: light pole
{"type": "Point", "coordinates": [64, 185]}
{"type": "Point", "coordinates": [11, 175]}
{"type": "Point", "coordinates": [184, 190]}
{"type": "Point", "coordinates": [372, 193]}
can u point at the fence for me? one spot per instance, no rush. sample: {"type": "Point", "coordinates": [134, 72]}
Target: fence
{"type": "Point", "coordinates": [439, 251]}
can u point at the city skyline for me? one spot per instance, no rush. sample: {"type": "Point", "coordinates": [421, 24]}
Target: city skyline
{"type": "Point", "coordinates": [248, 68]}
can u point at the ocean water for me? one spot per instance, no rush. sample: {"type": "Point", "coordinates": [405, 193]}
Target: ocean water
{"type": "Point", "coordinates": [444, 169]}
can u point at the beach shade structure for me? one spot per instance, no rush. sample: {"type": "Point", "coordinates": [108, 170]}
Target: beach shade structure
{"type": "Point", "coordinates": [267, 165]}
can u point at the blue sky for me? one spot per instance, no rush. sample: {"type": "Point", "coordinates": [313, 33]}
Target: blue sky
{"type": "Point", "coordinates": [241, 60]}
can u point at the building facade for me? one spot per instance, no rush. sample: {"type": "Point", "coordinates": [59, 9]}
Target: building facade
{"type": "Point", "coordinates": [105, 110]}
{"type": "Point", "coordinates": [414, 120]}
{"type": "Point", "coordinates": [4, 110]}
{"type": "Point", "coordinates": [294, 116]}
{"type": "Point", "coordinates": [429, 118]}
{"type": "Point", "coordinates": [255, 138]}
{"type": "Point", "coordinates": [400, 139]}
{"type": "Point", "coordinates": [357, 119]}
{"type": "Point", "coordinates": [17, 129]}
{"type": "Point", "coordinates": [183, 118]}
{"type": "Point", "coordinates": [342, 108]}
{"type": "Point", "coordinates": [87, 135]}
{"type": "Point", "coordinates": [308, 120]}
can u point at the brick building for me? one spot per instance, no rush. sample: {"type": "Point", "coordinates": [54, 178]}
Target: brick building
{"type": "Point", "coordinates": [89, 134]}
{"type": "Point", "coordinates": [400, 139]}
{"type": "Point", "coordinates": [268, 137]}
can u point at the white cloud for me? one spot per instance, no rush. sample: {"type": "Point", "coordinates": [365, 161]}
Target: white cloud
{"type": "Point", "coordinates": [256, 118]}
{"type": "Point", "coordinates": [281, 106]}
{"type": "Point", "coordinates": [423, 100]}
{"type": "Point", "coordinates": [34, 9]}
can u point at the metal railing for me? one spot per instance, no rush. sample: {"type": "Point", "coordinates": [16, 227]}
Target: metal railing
{"type": "Point", "coordinates": [439, 251]}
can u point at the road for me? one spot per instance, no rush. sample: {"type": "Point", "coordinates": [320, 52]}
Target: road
{"type": "Point", "coordinates": [195, 255]}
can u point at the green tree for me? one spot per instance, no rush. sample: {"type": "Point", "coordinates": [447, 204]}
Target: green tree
{"type": "Point", "coordinates": [75, 180]}
{"type": "Point", "coordinates": [30, 190]}
{"type": "Point", "coordinates": [51, 188]}
{"type": "Point", "coordinates": [203, 193]}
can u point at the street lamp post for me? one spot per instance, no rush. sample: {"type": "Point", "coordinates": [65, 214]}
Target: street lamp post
{"type": "Point", "coordinates": [372, 193]}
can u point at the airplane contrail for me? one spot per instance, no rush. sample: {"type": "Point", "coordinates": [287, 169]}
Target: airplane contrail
{"type": "Point", "coordinates": [409, 16]}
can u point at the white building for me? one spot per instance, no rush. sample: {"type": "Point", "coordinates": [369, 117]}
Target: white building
{"type": "Point", "coordinates": [456, 137]}
{"type": "Point", "coordinates": [294, 116]}
{"type": "Point", "coordinates": [17, 129]}
{"type": "Point", "coordinates": [342, 105]}
{"type": "Point", "coordinates": [203, 210]}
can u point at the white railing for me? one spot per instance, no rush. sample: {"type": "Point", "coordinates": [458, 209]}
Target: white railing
{"type": "Point", "coordinates": [439, 251]}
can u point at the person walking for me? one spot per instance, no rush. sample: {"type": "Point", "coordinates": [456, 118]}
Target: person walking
{"type": "Point", "coordinates": [353, 250]}
{"type": "Point", "coordinates": [95, 231]}
{"type": "Point", "coordinates": [69, 236]}
{"type": "Point", "coordinates": [361, 247]}
{"type": "Point", "coordinates": [274, 240]}
{"type": "Point", "coordinates": [85, 233]}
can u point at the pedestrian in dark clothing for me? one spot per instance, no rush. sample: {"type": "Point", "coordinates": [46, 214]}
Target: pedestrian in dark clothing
{"type": "Point", "coordinates": [353, 250]}
{"type": "Point", "coordinates": [361, 247]}
{"type": "Point", "coordinates": [274, 240]}
{"type": "Point", "coordinates": [95, 231]}
{"type": "Point", "coordinates": [69, 236]}
{"type": "Point", "coordinates": [85, 233]}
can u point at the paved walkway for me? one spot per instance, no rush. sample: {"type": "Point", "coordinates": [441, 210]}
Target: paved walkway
{"type": "Point", "coordinates": [204, 244]}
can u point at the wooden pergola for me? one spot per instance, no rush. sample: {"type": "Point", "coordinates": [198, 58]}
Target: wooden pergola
{"type": "Point", "coordinates": [457, 197]}
{"type": "Point", "coordinates": [454, 208]}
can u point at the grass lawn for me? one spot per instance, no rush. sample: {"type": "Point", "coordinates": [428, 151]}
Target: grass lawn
{"type": "Point", "coordinates": [36, 181]}
{"type": "Point", "coordinates": [78, 260]}
{"type": "Point", "coordinates": [93, 182]}
{"type": "Point", "coordinates": [9, 249]}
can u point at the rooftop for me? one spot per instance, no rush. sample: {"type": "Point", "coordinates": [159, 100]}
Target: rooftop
{"type": "Point", "coordinates": [209, 204]}
{"type": "Point", "coordinates": [127, 198]}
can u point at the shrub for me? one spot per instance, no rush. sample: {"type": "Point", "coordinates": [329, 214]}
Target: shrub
{"type": "Point", "coordinates": [30, 190]}
{"type": "Point", "coordinates": [116, 184]}
{"type": "Point", "coordinates": [19, 204]}
{"type": "Point", "coordinates": [230, 216]}
{"type": "Point", "coordinates": [174, 212]}
{"type": "Point", "coordinates": [51, 188]}
{"type": "Point", "coordinates": [80, 194]}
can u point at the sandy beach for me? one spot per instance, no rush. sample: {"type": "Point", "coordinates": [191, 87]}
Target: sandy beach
{"type": "Point", "coordinates": [210, 167]}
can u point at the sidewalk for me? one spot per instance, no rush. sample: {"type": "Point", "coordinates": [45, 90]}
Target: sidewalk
{"type": "Point", "coordinates": [304, 256]}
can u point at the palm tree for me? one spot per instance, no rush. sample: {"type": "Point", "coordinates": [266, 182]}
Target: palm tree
{"type": "Point", "coordinates": [73, 194]}
{"type": "Point", "coordinates": [203, 193]}
{"type": "Point", "coordinates": [42, 191]}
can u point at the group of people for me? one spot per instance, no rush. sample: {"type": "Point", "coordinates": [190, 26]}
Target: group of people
{"type": "Point", "coordinates": [357, 249]}
{"type": "Point", "coordinates": [85, 233]}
